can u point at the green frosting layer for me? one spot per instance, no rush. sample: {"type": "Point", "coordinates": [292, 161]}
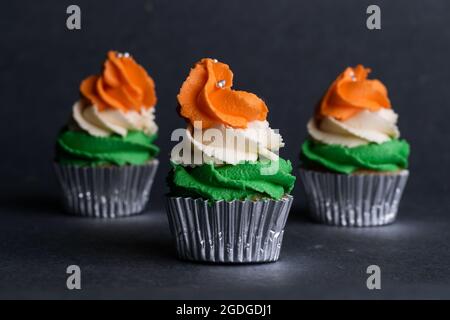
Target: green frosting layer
{"type": "Point", "coordinates": [388, 156]}
{"type": "Point", "coordinates": [232, 182]}
{"type": "Point", "coordinates": [82, 149]}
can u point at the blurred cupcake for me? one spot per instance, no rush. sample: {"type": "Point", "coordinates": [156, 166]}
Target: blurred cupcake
{"type": "Point", "coordinates": [105, 156]}
{"type": "Point", "coordinates": [229, 197]}
{"type": "Point", "coordinates": [354, 166]}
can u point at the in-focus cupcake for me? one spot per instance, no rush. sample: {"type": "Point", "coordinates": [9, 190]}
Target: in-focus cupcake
{"type": "Point", "coordinates": [105, 156]}
{"type": "Point", "coordinates": [354, 166]}
{"type": "Point", "coordinates": [229, 190]}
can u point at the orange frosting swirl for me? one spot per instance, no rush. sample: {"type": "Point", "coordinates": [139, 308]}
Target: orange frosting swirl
{"type": "Point", "coordinates": [206, 96]}
{"type": "Point", "coordinates": [123, 85]}
{"type": "Point", "coordinates": [351, 93]}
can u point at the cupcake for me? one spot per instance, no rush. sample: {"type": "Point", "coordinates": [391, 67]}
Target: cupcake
{"type": "Point", "coordinates": [354, 164]}
{"type": "Point", "coordinates": [229, 190]}
{"type": "Point", "coordinates": [105, 156]}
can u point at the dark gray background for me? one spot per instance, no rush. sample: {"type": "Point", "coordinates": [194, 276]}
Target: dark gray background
{"type": "Point", "coordinates": [287, 52]}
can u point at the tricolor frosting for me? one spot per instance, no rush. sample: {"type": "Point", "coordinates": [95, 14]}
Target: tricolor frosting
{"type": "Point", "coordinates": [120, 99]}
{"type": "Point", "coordinates": [351, 93]}
{"type": "Point", "coordinates": [212, 107]}
{"type": "Point", "coordinates": [122, 85]}
{"type": "Point", "coordinates": [206, 97]}
{"type": "Point", "coordinates": [231, 182]}
{"type": "Point", "coordinates": [113, 122]}
{"type": "Point", "coordinates": [81, 149]}
{"type": "Point", "coordinates": [362, 128]}
{"type": "Point", "coordinates": [257, 141]}
{"type": "Point", "coordinates": [354, 114]}
{"type": "Point", "coordinates": [228, 142]}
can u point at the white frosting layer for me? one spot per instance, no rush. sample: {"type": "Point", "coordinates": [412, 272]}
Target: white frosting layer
{"type": "Point", "coordinates": [363, 128]}
{"type": "Point", "coordinates": [107, 122]}
{"type": "Point", "coordinates": [224, 144]}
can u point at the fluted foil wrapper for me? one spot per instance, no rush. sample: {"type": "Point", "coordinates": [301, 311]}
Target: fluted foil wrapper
{"type": "Point", "coordinates": [106, 192]}
{"type": "Point", "coordinates": [356, 200]}
{"type": "Point", "coordinates": [228, 231]}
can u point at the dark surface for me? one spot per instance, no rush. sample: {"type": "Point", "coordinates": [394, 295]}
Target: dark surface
{"type": "Point", "coordinates": [287, 52]}
{"type": "Point", "coordinates": [134, 258]}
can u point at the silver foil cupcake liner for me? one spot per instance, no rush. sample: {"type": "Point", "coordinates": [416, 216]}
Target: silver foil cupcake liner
{"type": "Point", "coordinates": [106, 192]}
{"type": "Point", "coordinates": [228, 231]}
{"type": "Point", "coordinates": [357, 200]}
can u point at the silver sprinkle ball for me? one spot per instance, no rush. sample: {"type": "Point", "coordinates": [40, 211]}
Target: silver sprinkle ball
{"type": "Point", "coordinates": [221, 84]}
